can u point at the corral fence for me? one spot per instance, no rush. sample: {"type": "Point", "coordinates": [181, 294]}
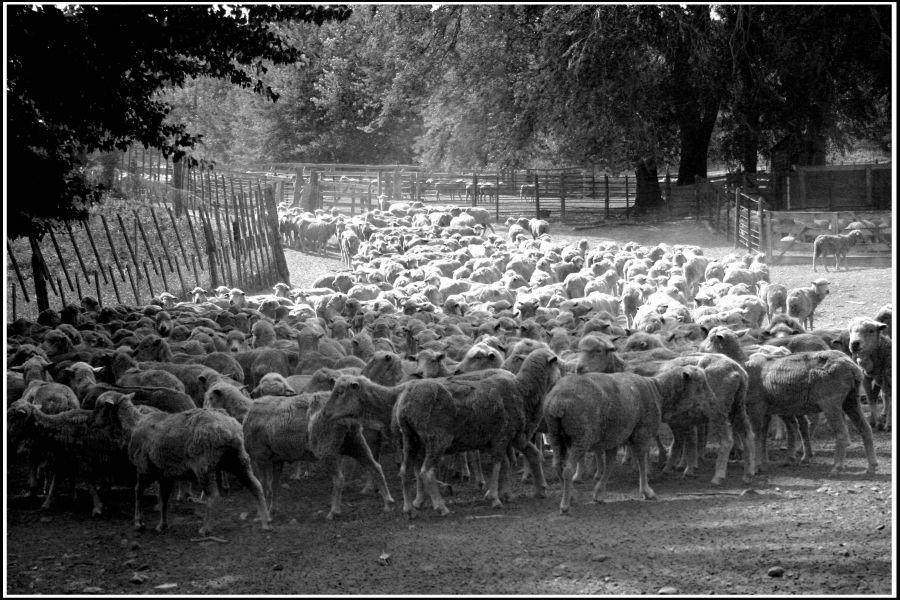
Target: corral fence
{"type": "Point", "coordinates": [738, 209]}
{"type": "Point", "coordinates": [216, 227]}
{"type": "Point", "coordinates": [565, 194]}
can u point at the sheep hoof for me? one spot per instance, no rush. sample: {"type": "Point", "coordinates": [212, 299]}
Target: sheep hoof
{"type": "Point", "coordinates": [563, 510]}
{"type": "Point", "coordinates": [139, 526]}
{"type": "Point", "coordinates": [872, 469]}
{"type": "Point", "coordinates": [162, 527]}
{"type": "Point", "coordinates": [716, 481]}
{"type": "Point", "coordinates": [267, 527]}
{"type": "Point", "coordinates": [97, 512]}
{"type": "Point", "coordinates": [496, 503]}
{"type": "Point", "coordinates": [331, 515]}
{"type": "Point", "coordinates": [541, 493]}
{"type": "Point", "coordinates": [689, 474]}
{"type": "Point", "coordinates": [411, 513]}
{"type": "Point", "coordinates": [443, 511]}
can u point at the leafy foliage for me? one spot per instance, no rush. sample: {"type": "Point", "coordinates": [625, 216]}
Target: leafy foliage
{"type": "Point", "coordinates": [87, 77]}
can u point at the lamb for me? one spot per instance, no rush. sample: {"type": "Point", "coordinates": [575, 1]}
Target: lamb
{"type": "Point", "coordinates": [271, 384]}
{"type": "Point", "coordinates": [871, 349]}
{"type": "Point", "coordinates": [807, 383]}
{"type": "Point", "coordinates": [802, 302]}
{"type": "Point", "coordinates": [596, 412]}
{"type": "Point", "coordinates": [164, 399]}
{"type": "Point", "coordinates": [491, 410]}
{"type": "Point", "coordinates": [168, 446]}
{"type": "Point", "coordinates": [838, 245]}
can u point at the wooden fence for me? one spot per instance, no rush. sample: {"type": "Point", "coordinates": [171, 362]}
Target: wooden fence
{"type": "Point", "coordinates": [559, 194]}
{"type": "Point", "coordinates": [221, 228]}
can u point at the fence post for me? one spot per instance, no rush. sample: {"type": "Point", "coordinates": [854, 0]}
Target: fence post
{"type": "Point", "coordinates": [147, 274]}
{"type": "Point", "coordinates": [737, 217]}
{"type": "Point", "coordinates": [801, 183]}
{"type": "Point", "coordinates": [97, 287]}
{"type": "Point", "coordinates": [115, 285]}
{"type": "Point", "coordinates": [869, 187]}
{"type": "Point", "coordinates": [669, 194]}
{"type": "Point", "coordinates": [112, 247]}
{"type": "Point", "coordinates": [770, 243]}
{"type": "Point", "coordinates": [15, 264]}
{"type": "Point", "coordinates": [626, 195]}
{"type": "Point", "coordinates": [62, 263]}
{"type": "Point", "coordinates": [474, 189]}
{"type": "Point", "coordinates": [77, 251]}
{"type": "Point", "coordinates": [606, 184]}
{"type": "Point", "coordinates": [697, 196]}
{"type": "Point", "coordinates": [562, 194]}
{"type": "Point", "coordinates": [537, 198]}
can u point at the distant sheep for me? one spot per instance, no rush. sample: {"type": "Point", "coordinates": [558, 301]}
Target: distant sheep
{"type": "Point", "coordinates": [838, 245]}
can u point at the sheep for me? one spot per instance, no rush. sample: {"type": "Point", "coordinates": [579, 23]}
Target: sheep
{"type": "Point", "coordinates": [271, 384]}
{"type": "Point", "coordinates": [728, 381]}
{"type": "Point", "coordinates": [802, 302]}
{"type": "Point", "coordinates": [126, 372]}
{"type": "Point", "coordinates": [775, 297]}
{"type": "Point", "coordinates": [71, 442]}
{"type": "Point", "coordinates": [527, 192]}
{"type": "Point", "coordinates": [164, 399]}
{"type": "Point", "coordinates": [838, 245]}
{"type": "Point", "coordinates": [596, 412]}
{"type": "Point", "coordinates": [871, 349]}
{"type": "Point", "coordinates": [281, 429]}
{"type": "Point", "coordinates": [538, 227]}
{"type": "Point", "coordinates": [349, 246]}
{"type": "Point", "coordinates": [807, 383]}
{"type": "Point", "coordinates": [491, 410]}
{"type": "Point", "coordinates": [168, 446]}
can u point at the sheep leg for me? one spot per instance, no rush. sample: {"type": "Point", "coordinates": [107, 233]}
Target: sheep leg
{"type": "Point", "coordinates": [97, 510]}
{"type": "Point", "coordinates": [337, 488]}
{"type": "Point", "coordinates": [853, 410]}
{"type": "Point", "coordinates": [886, 404]}
{"type": "Point", "coordinates": [609, 460]}
{"type": "Point", "coordinates": [208, 485]}
{"type": "Point", "coordinates": [430, 482]}
{"type": "Point", "coordinates": [792, 428]}
{"type": "Point", "coordinates": [504, 490]}
{"type": "Point", "coordinates": [872, 399]}
{"type": "Point", "coordinates": [408, 463]}
{"type": "Point", "coordinates": [841, 435]}
{"type": "Point", "coordinates": [748, 441]}
{"type": "Point", "coordinates": [493, 492]}
{"type": "Point", "coordinates": [51, 493]}
{"type": "Point", "coordinates": [533, 458]}
{"type": "Point", "coordinates": [567, 475]}
{"type": "Point", "coordinates": [726, 442]}
{"type": "Point", "coordinates": [676, 452]}
{"type": "Point", "coordinates": [479, 473]}
{"type": "Point", "coordinates": [275, 470]}
{"type": "Point", "coordinates": [804, 427]}
{"type": "Point", "coordinates": [165, 492]}
{"type": "Point", "coordinates": [642, 455]}
{"type": "Point", "coordinates": [363, 454]}
{"type": "Point", "coordinates": [143, 482]}
{"type": "Point", "coordinates": [691, 444]}
{"type": "Point", "coordinates": [240, 466]}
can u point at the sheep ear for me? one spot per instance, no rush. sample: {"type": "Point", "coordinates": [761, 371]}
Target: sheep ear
{"type": "Point", "coordinates": [686, 375]}
{"type": "Point", "coordinates": [704, 330]}
{"type": "Point", "coordinates": [552, 359]}
{"type": "Point", "coordinates": [18, 368]}
{"type": "Point", "coordinates": [217, 392]}
{"type": "Point", "coordinates": [292, 391]}
{"type": "Point", "coordinates": [742, 332]}
{"type": "Point", "coordinates": [96, 369]}
{"type": "Point", "coordinates": [881, 326]}
{"type": "Point", "coordinates": [332, 381]}
{"type": "Point", "coordinates": [354, 385]}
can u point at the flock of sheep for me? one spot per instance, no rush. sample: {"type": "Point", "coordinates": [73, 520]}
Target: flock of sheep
{"type": "Point", "coordinates": [441, 347]}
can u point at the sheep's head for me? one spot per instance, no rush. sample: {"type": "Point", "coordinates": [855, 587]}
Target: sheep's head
{"type": "Point", "coordinates": [864, 334]}
{"type": "Point", "coordinates": [346, 402]}
{"type": "Point", "coordinates": [111, 413]}
{"type": "Point", "coordinates": [694, 399]}
{"type": "Point", "coordinates": [821, 286]}
{"type": "Point", "coordinates": [596, 353]}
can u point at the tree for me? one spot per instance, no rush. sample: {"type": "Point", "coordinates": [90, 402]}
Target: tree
{"type": "Point", "coordinates": [82, 78]}
{"type": "Point", "coordinates": [820, 74]}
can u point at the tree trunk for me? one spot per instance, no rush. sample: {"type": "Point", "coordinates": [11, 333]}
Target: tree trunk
{"type": "Point", "coordinates": [281, 268]}
{"type": "Point", "coordinates": [649, 194]}
{"type": "Point", "coordinates": [696, 121]}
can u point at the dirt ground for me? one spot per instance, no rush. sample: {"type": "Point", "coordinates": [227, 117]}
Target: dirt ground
{"type": "Point", "coordinates": [828, 534]}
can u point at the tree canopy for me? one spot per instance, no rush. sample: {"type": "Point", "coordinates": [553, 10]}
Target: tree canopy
{"type": "Point", "coordinates": [87, 77]}
{"type": "Point", "coordinates": [457, 86]}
